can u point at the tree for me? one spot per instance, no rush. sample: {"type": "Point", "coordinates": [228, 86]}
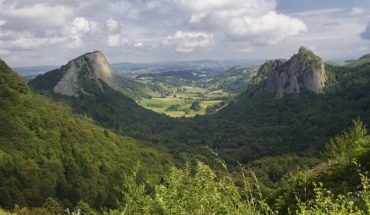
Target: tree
{"type": "Point", "coordinates": [53, 206]}
{"type": "Point", "coordinates": [195, 106]}
{"type": "Point", "coordinates": [190, 190]}
{"type": "Point", "coordinates": [350, 144]}
{"type": "Point", "coordinates": [84, 208]}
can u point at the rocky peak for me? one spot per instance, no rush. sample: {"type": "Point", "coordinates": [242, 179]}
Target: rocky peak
{"type": "Point", "coordinates": [90, 67]}
{"type": "Point", "coordinates": [266, 68]}
{"type": "Point", "coordinates": [304, 71]}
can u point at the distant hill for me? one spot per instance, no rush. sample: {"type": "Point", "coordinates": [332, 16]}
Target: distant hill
{"type": "Point", "coordinates": [163, 76]}
{"type": "Point", "coordinates": [363, 59]}
{"type": "Point", "coordinates": [235, 80]}
{"type": "Point", "coordinates": [204, 67]}
{"type": "Point", "coordinates": [28, 73]}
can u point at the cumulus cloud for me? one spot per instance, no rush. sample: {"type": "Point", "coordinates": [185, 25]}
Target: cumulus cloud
{"type": "Point", "coordinates": [357, 11]}
{"type": "Point", "coordinates": [136, 9]}
{"type": "Point", "coordinates": [138, 44]}
{"type": "Point", "coordinates": [34, 18]}
{"type": "Point", "coordinates": [252, 20]}
{"type": "Point", "coordinates": [255, 21]}
{"type": "Point", "coordinates": [144, 27]}
{"type": "Point", "coordinates": [271, 28]}
{"type": "Point", "coordinates": [250, 7]}
{"type": "Point", "coordinates": [35, 42]}
{"type": "Point", "coordinates": [188, 41]}
{"type": "Point", "coordinates": [80, 27]}
{"type": "Point", "coordinates": [366, 34]}
{"type": "Point", "coordinates": [112, 25]}
{"type": "Point", "coordinates": [116, 40]}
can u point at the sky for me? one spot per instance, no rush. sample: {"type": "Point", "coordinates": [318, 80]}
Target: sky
{"type": "Point", "coordinates": [52, 32]}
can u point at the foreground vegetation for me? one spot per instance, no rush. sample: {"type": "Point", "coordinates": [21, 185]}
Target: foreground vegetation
{"type": "Point", "coordinates": [197, 189]}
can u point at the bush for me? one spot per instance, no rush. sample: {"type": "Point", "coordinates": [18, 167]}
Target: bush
{"type": "Point", "coordinates": [195, 106]}
{"type": "Point", "coordinates": [327, 203]}
{"type": "Point", "coordinates": [195, 190]}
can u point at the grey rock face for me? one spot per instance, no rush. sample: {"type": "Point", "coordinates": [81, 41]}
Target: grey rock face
{"type": "Point", "coordinates": [88, 67]}
{"type": "Point", "coordinates": [304, 70]}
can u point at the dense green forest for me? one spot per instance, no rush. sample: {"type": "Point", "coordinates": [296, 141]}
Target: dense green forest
{"type": "Point", "coordinates": [197, 189]}
{"type": "Point", "coordinates": [46, 151]}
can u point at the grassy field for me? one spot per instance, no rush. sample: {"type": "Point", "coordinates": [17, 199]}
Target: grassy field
{"type": "Point", "coordinates": [176, 102]}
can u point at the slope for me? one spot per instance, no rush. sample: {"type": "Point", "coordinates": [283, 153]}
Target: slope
{"type": "Point", "coordinates": [46, 151]}
{"type": "Point", "coordinates": [234, 80]}
{"type": "Point", "coordinates": [263, 125]}
{"type": "Point", "coordinates": [98, 93]}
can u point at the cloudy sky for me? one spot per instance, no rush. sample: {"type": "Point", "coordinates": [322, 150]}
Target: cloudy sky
{"type": "Point", "coordinates": [51, 32]}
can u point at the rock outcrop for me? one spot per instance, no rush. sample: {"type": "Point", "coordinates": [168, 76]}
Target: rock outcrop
{"type": "Point", "coordinates": [304, 71]}
{"type": "Point", "coordinates": [91, 66]}
{"type": "Point", "coordinates": [78, 76]}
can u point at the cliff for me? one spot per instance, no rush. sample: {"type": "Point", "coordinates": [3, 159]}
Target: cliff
{"type": "Point", "coordinates": [304, 71]}
{"type": "Point", "coordinates": [77, 75]}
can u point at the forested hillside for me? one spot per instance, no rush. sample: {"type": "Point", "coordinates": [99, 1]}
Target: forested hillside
{"type": "Point", "coordinates": [46, 151]}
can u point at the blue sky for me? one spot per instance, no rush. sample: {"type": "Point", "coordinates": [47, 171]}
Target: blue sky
{"type": "Point", "coordinates": [51, 32]}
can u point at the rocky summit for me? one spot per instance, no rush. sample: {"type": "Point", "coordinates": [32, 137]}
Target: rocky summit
{"type": "Point", "coordinates": [74, 78]}
{"type": "Point", "coordinates": [304, 71]}
{"type": "Point", "coordinates": [90, 66]}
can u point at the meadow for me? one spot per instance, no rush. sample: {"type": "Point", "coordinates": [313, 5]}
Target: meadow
{"type": "Point", "coordinates": [176, 101]}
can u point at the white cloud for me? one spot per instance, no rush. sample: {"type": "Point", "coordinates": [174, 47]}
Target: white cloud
{"type": "Point", "coordinates": [35, 17]}
{"type": "Point", "coordinates": [335, 35]}
{"type": "Point", "coordinates": [116, 40]}
{"type": "Point", "coordinates": [271, 28]}
{"type": "Point", "coordinates": [138, 44]}
{"type": "Point", "coordinates": [249, 7]}
{"type": "Point", "coordinates": [188, 41]}
{"type": "Point", "coordinates": [112, 25]}
{"type": "Point", "coordinates": [80, 27]}
{"type": "Point", "coordinates": [230, 27]}
{"type": "Point", "coordinates": [253, 20]}
{"type": "Point", "coordinates": [34, 42]}
{"type": "Point", "coordinates": [357, 11]}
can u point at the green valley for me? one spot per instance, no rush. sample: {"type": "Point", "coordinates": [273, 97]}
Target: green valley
{"type": "Point", "coordinates": [173, 95]}
{"type": "Point", "coordinates": [83, 129]}
{"type": "Point", "coordinates": [176, 102]}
